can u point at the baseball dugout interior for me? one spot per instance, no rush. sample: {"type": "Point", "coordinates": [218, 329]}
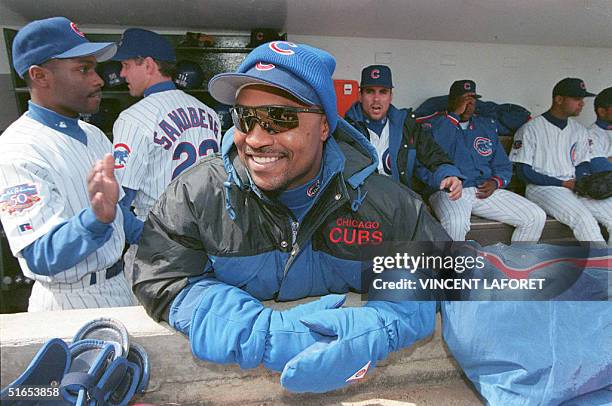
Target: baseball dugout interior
{"type": "Point", "coordinates": [215, 54]}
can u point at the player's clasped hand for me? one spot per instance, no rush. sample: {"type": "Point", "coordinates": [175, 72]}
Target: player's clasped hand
{"type": "Point", "coordinates": [287, 336]}
{"type": "Point", "coordinates": [103, 189]}
{"type": "Point", "coordinates": [453, 186]}
{"type": "Point", "coordinates": [570, 184]}
{"type": "Point", "coordinates": [486, 189]}
{"type": "Point", "coordinates": [357, 337]}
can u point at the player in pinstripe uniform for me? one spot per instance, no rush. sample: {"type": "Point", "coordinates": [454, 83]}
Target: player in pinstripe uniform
{"type": "Point", "coordinates": [552, 151]}
{"type": "Point", "coordinates": [58, 194]}
{"type": "Point", "coordinates": [600, 132]}
{"type": "Point", "coordinates": [164, 133]}
{"type": "Point", "coordinates": [473, 144]}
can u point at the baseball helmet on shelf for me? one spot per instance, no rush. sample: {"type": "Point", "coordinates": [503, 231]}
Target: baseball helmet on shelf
{"type": "Point", "coordinates": [189, 75]}
{"type": "Point", "coordinates": [109, 71]}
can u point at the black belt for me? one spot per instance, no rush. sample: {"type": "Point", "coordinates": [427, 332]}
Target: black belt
{"type": "Point", "coordinates": [111, 272]}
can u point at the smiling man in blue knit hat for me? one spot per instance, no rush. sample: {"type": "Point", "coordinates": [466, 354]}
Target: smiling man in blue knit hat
{"type": "Point", "coordinates": [287, 211]}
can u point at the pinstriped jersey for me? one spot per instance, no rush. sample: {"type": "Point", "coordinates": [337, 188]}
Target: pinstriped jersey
{"type": "Point", "coordinates": [550, 150]}
{"type": "Point", "coordinates": [158, 138]}
{"type": "Point", "coordinates": [600, 141]}
{"type": "Point", "coordinates": [43, 182]}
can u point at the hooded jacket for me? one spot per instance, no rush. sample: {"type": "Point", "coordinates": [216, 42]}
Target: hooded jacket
{"type": "Point", "coordinates": [212, 220]}
{"type": "Point", "coordinates": [410, 146]}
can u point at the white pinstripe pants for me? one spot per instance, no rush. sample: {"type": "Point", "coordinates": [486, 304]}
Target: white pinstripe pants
{"type": "Point", "coordinates": [112, 292]}
{"type": "Point", "coordinates": [503, 206]}
{"type": "Point", "coordinates": [581, 214]}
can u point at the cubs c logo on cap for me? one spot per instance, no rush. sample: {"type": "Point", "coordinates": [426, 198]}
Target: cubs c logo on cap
{"type": "Point", "coordinates": [264, 66]}
{"type": "Point", "coordinates": [76, 30]}
{"type": "Point", "coordinates": [276, 47]}
{"type": "Point", "coordinates": [375, 74]}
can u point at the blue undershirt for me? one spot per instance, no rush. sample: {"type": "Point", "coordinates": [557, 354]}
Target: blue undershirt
{"type": "Point", "coordinates": [301, 199]}
{"type": "Point", "coordinates": [529, 175]}
{"type": "Point", "coordinates": [557, 122]}
{"type": "Point", "coordinates": [71, 241]}
{"type": "Point", "coordinates": [376, 125]}
{"type": "Point", "coordinates": [603, 124]}
{"type": "Point", "coordinates": [159, 87]}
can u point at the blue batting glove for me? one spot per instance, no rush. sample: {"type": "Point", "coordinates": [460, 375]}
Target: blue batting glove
{"type": "Point", "coordinates": [287, 336]}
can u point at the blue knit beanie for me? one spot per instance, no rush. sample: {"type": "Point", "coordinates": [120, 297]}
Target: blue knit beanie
{"type": "Point", "coordinates": [301, 70]}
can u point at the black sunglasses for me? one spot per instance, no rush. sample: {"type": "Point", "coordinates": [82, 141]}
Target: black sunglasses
{"type": "Point", "coordinates": [273, 119]}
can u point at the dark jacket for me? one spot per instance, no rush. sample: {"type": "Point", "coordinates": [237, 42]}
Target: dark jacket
{"type": "Point", "coordinates": [410, 145]}
{"type": "Point", "coordinates": [213, 221]}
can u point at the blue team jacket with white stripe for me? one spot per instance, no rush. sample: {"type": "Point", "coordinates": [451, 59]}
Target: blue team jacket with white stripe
{"type": "Point", "coordinates": [476, 151]}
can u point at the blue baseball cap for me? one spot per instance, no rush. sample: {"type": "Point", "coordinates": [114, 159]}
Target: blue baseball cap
{"type": "Point", "coordinates": [461, 87]}
{"type": "Point", "coordinates": [571, 87]}
{"type": "Point", "coordinates": [603, 99]}
{"type": "Point", "coordinates": [136, 42]}
{"type": "Point", "coordinates": [376, 75]}
{"type": "Point", "coordinates": [54, 38]}
{"type": "Point", "coordinates": [301, 70]}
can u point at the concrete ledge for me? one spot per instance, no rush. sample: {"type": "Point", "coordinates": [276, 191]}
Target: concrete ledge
{"type": "Point", "coordinates": [426, 372]}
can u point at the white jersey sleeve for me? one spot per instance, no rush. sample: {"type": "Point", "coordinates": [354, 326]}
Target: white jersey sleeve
{"type": "Point", "coordinates": [583, 151]}
{"type": "Point", "coordinates": [30, 204]}
{"type": "Point", "coordinates": [600, 141]}
{"type": "Point", "coordinates": [524, 145]}
{"type": "Point", "coordinates": [131, 153]}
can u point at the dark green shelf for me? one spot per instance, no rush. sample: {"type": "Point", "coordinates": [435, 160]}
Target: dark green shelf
{"type": "Point", "coordinates": [215, 50]}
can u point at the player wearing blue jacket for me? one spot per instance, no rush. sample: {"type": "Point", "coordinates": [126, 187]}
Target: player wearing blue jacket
{"type": "Point", "coordinates": [290, 210]}
{"type": "Point", "coordinates": [472, 142]}
{"type": "Point", "coordinates": [402, 144]}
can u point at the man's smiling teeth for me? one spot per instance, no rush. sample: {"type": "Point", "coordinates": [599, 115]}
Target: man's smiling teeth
{"type": "Point", "coordinates": [265, 160]}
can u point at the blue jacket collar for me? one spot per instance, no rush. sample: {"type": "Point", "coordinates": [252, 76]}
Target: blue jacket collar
{"type": "Point", "coordinates": [159, 87]}
{"type": "Point", "coordinates": [396, 119]}
{"type": "Point", "coordinates": [557, 122]}
{"type": "Point", "coordinates": [65, 125]}
{"type": "Point", "coordinates": [603, 124]}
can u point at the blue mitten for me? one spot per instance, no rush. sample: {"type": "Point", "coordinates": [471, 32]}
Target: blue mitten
{"type": "Point", "coordinates": [363, 335]}
{"type": "Point", "coordinates": [287, 336]}
{"type": "Point", "coordinates": [230, 326]}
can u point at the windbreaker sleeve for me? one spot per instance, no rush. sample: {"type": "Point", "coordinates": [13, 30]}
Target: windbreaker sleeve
{"type": "Point", "coordinates": [429, 153]}
{"type": "Point", "coordinates": [170, 251]}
